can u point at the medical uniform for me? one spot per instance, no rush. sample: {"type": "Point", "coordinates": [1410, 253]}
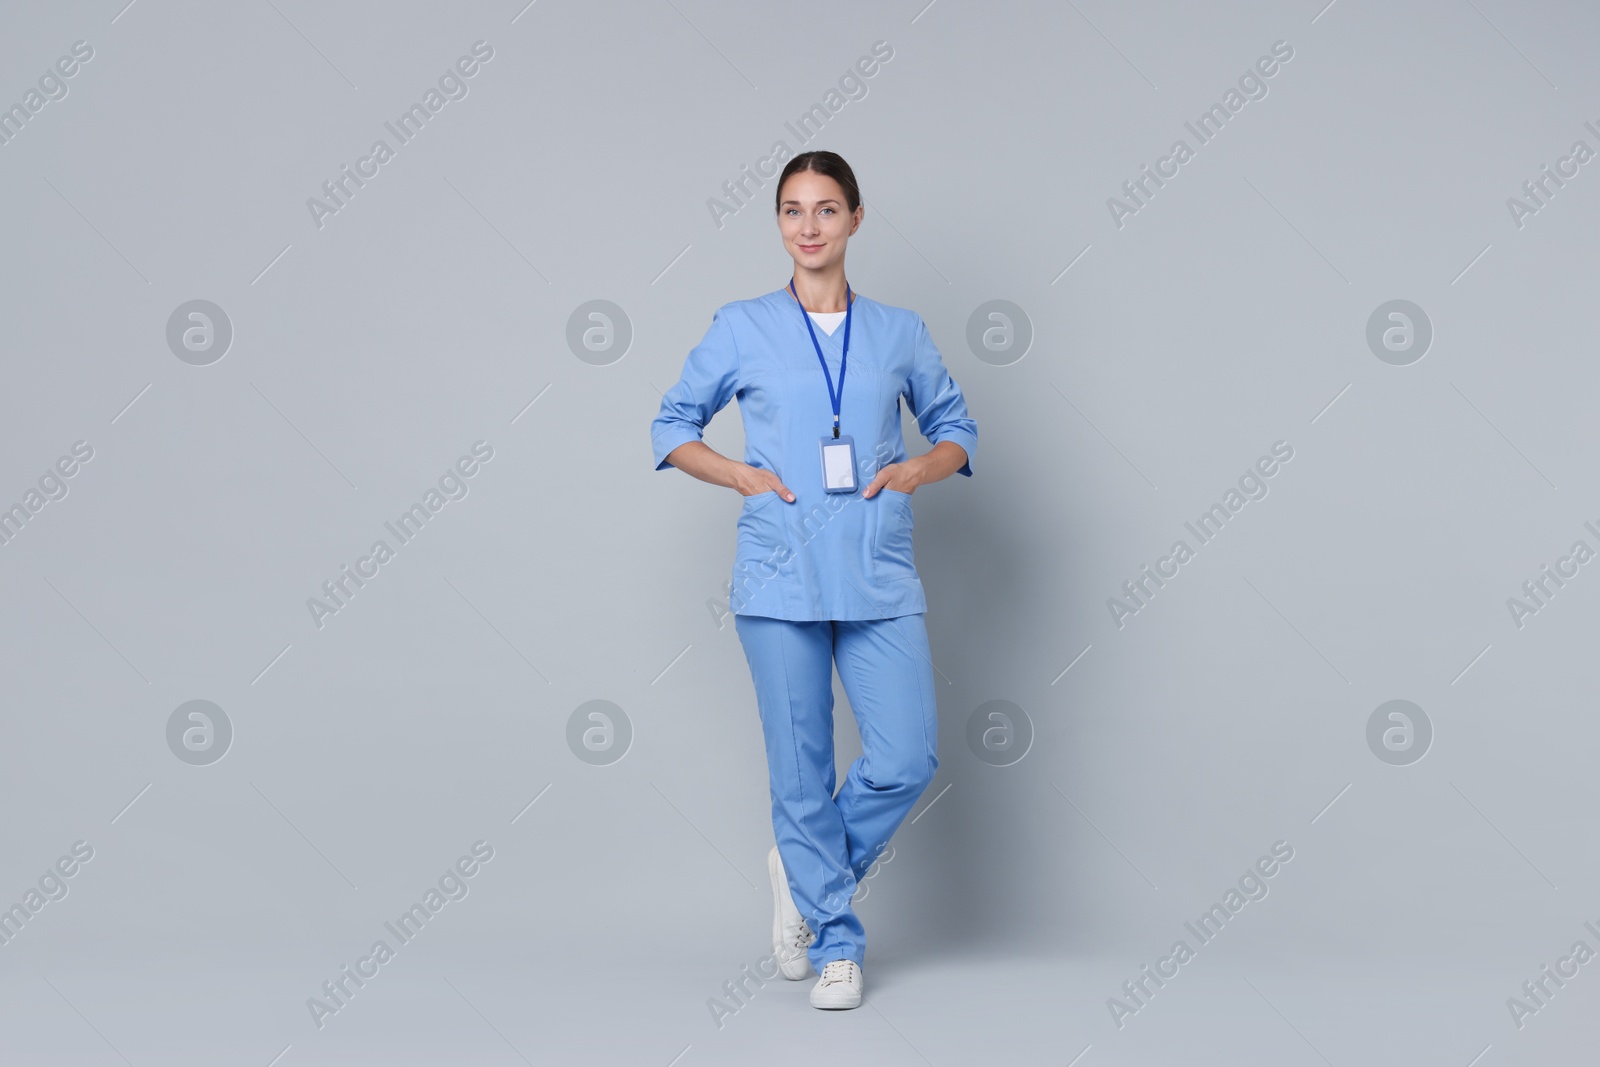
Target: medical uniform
{"type": "Point", "coordinates": [829, 578]}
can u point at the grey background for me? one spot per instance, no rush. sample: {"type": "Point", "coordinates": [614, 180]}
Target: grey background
{"type": "Point", "coordinates": [432, 711]}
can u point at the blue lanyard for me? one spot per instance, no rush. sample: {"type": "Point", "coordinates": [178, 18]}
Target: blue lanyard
{"type": "Point", "coordinates": [834, 398]}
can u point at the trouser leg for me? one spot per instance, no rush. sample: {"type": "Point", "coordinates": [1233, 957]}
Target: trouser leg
{"type": "Point", "coordinates": [887, 673]}
{"type": "Point", "coordinates": [791, 664]}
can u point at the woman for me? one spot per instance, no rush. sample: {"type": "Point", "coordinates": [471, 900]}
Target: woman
{"type": "Point", "coordinates": [823, 570]}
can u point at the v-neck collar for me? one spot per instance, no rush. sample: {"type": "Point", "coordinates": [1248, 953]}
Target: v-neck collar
{"type": "Point", "coordinates": [832, 343]}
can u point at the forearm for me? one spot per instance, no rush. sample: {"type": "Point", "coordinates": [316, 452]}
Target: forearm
{"type": "Point", "coordinates": [941, 461]}
{"type": "Point", "coordinates": [704, 462]}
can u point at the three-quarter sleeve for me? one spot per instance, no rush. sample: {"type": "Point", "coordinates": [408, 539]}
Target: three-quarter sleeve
{"type": "Point", "coordinates": [936, 400]}
{"type": "Point", "coordinates": [710, 378]}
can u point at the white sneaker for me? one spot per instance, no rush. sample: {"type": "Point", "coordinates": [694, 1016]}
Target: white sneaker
{"type": "Point", "coordinates": [839, 986]}
{"type": "Point", "coordinates": [790, 934]}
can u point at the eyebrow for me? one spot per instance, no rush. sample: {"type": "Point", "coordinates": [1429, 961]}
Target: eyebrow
{"type": "Point", "coordinates": [830, 200]}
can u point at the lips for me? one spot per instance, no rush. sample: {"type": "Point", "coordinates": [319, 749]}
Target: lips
{"type": "Point", "coordinates": [809, 248]}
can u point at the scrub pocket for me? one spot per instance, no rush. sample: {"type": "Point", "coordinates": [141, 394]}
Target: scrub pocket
{"type": "Point", "coordinates": [763, 553]}
{"type": "Point", "coordinates": [891, 543]}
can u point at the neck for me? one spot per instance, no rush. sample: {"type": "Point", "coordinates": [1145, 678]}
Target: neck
{"type": "Point", "coordinates": [821, 291]}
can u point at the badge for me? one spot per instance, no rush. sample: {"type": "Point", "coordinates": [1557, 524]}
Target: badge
{"type": "Point", "coordinates": [838, 463]}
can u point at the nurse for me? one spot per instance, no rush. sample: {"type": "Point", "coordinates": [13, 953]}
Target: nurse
{"type": "Point", "coordinates": [823, 573]}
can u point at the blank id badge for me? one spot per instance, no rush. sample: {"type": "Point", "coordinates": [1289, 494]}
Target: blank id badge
{"type": "Point", "coordinates": [838, 464]}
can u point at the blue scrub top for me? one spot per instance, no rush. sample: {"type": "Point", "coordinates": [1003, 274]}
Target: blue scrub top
{"type": "Point", "coordinates": [826, 555]}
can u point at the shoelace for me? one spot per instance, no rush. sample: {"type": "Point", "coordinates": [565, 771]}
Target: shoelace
{"type": "Point", "coordinates": [837, 971]}
{"type": "Point", "coordinates": [804, 937]}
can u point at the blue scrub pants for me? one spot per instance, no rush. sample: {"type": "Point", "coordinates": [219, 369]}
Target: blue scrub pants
{"type": "Point", "coordinates": [828, 842]}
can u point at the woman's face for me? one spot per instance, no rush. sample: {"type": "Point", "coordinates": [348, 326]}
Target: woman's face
{"type": "Point", "coordinates": [815, 220]}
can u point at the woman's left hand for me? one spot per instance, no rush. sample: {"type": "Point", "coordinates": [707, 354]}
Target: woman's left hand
{"type": "Point", "coordinates": [939, 462]}
{"type": "Point", "coordinates": [902, 477]}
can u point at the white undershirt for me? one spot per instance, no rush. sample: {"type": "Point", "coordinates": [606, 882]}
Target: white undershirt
{"type": "Point", "coordinates": [828, 320]}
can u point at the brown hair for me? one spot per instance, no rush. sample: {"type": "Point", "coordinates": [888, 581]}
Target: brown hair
{"type": "Point", "coordinates": [832, 165]}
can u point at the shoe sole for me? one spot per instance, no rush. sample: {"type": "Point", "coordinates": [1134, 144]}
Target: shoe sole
{"type": "Point", "coordinates": [794, 970]}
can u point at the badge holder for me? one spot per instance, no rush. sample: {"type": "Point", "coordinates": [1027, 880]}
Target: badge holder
{"type": "Point", "coordinates": [838, 464]}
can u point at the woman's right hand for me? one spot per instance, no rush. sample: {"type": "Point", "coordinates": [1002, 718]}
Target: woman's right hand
{"type": "Point", "coordinates": [700, 460]}
{"type": "Point", "coordinates": [750, 480]}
